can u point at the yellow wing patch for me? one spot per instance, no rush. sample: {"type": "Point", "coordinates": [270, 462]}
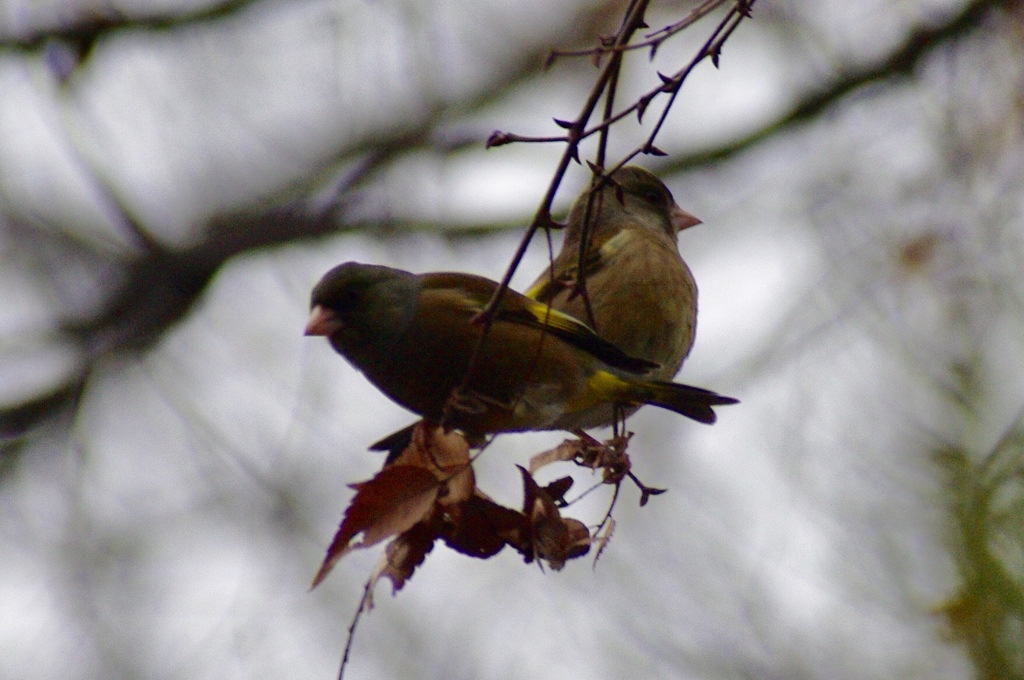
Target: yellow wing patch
{"type": "Point", "coordinates": [595, 260]}
{"type": "Point", "coordinates": [603, 387]}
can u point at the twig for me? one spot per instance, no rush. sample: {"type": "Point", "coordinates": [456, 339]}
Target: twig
{"type": "Point", "coordinates": [352, 629]}
{"type": "Point", "coordinates": [654, 39]}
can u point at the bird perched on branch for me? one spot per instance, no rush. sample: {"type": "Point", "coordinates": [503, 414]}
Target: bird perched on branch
{"type": "Point", "coordinates": [634, 290]}
{"type": "Point", "coordinates": [415, 336]}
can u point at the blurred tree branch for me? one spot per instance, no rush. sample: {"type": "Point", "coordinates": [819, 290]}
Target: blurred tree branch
{"type": "Point", "coordinates": [898, 63]}
{"type": "Point", "coordinates": [987, 536]}
{"type": "Point", "coordinates": [68, 45]}
{"type": "Point", "coordinates": [100, 21]}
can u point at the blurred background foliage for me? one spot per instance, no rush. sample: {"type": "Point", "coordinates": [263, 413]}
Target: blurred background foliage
{"type": "Point", "coordinates": [176, 174]}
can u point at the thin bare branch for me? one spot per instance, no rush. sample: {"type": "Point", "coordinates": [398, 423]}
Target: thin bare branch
{"type": "Point", "coordinates": [104, 19]}
{"type": "Point", "coordinates": [653, 40]}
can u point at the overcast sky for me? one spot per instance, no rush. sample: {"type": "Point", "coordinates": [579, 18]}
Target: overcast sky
{"type": "Point", "coordinates": [852, 270]}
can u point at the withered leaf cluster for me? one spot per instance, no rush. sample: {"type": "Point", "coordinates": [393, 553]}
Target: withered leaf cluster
{"type": "Point", "coordinates": [429, 493]}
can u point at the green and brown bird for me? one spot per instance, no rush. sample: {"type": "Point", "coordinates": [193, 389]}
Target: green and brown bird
{"type": "Point", "coordinates": [414, 336]}
{"type": "Point", "coordinates": [640, 294]}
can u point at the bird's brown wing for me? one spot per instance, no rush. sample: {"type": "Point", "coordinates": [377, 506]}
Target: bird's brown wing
{"type": "Point", "coordinates": [546, 287]}
{"type": "Point", "coordinates": [472, 293]}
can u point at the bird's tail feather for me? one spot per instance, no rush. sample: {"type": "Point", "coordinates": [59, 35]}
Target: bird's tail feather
{"type": "Point", "coordinates": [686, 400]}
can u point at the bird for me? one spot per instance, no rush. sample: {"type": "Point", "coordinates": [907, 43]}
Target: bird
{"type": "Point", "coordinates": [415, 336]}
{"type": "Point", "coordinates": [640, 294]}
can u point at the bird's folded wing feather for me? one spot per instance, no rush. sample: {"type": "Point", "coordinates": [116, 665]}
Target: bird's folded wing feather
{"type": "Point", "coordinates": [472, 293]}
{"type": "Point", "coordinates": [600, 253]}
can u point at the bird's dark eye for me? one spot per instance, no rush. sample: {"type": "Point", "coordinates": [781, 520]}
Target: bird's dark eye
{"type": "Point", "coordinates": [653, 196]}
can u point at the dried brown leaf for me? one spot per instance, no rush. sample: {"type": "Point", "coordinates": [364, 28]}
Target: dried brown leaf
{"type": "Point", "coordinates": [483, 528]}
{"type": "Point", "coordinates": [558, 488]}
{"type": "Point", "coordinates": [430, 447]}
{"type": "Point", "coordinates": [401, 558]}
{"type": "Point", "coordinates": [446, 455]}
{"type": "Point", "coordinates": [567, 450]}
{"type": "Point", "coordinates": [392, 502]}
{"type": "Point", "coordinates": [553, 538]}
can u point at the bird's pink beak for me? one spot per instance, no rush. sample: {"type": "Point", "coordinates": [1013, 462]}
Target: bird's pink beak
{"type": "Point", "coordinates": [322, 321]}
{"type": "Point", "coordinates": [682, 219]}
